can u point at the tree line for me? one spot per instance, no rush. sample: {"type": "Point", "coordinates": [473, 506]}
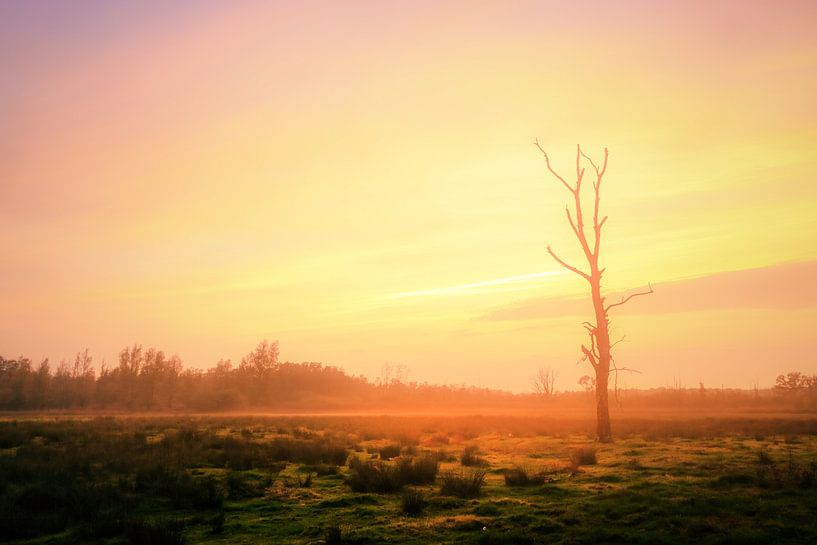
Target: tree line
{"type": "Point", "coordinates": [150, 379]}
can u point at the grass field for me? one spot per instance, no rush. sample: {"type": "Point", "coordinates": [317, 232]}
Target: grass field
{"type": "Point", "coordinates": [420, 480]}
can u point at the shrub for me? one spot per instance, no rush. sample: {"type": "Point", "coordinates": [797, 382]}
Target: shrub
{"type": "Point", "coordinates": [389, 451]}
{"type": "Point", "coordinates": [583, 456]}
{"type": "Point", "coordinates": [469, 457]}
{"type": "Point", "coordinates": [520, 476]}
{"type": "Point", "coordinates": [462, 485]}
{"type": "Point", "coordinates": [386, 477]}
{"type": "Point", "coordinates": [421, 470]}
{"type": "Point", "coordinates": [374, 477]}
{"type": "Point", "coordinates": [413, 502]}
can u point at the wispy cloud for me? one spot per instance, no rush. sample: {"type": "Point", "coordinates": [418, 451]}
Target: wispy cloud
{"type": "Point", "coordinates": [787, 286]}
{"type": "Point", "coordinates": [509, 283]}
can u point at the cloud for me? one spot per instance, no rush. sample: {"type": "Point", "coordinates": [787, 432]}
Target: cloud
{"type": "Point", "coordinates": [519, 282]}
{"type": "Point", "coordinates": [779, 287]}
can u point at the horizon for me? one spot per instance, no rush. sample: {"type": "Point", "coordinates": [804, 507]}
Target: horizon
{"type": "Point", "coordinates": [360, 184]}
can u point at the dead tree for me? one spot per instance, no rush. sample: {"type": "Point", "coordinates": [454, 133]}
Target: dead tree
{"type": "Point", "coordinates": [544, 382]}
{"type": "Point", "coordinates": [599, 352]}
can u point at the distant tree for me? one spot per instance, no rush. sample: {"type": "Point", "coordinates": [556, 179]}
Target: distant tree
{"type": "Point", "coordinates": [794, 381]}
{"type": "Point", "coordinates": [262, 360]}
{"type": "Point", "coordinates": [544, 381]}
{"type": "Point", "coordinates": [588, 383]}
{"type": "Point", "coordinates": [393, 374]}
{"type": "Point", "coordinates": [599, 352]}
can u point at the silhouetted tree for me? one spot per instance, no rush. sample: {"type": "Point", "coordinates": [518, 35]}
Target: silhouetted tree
{"type": "Point", "coordinates": [544, 382]}
{"type": "Point", "coordinates": [599, 352]}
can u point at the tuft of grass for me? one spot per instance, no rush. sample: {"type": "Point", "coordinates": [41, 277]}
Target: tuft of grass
{"type": "Point", "coordinates": [470, 458]}
{"type": "Point", "coordinates": [413, 502]}
{"type": "Point", "coordinates": [634, 464]}
{"type": "Point", "coordinates": [462, 484]}
{"type": "Point", "coordinates": [583, 456]}
{"type": "Point", "coordinates": [422, 470]}
{"type": "Point", "coordinates": [519, 476]}
{"type": "Point", "coordinates": [306, 482]}
{"type": "Point", "coordinates": [379, 476]}
{"type": "Point", "coordinates": [763, 458]}
{"type": "Point", "coordinates": [373, 477]}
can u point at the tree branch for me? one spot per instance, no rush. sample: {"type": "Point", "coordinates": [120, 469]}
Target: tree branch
{"type": "Point", "coordinates": [566, 266]}
{"type": "Point", "coordinates": [621, 340]}
{"type": "Point", "coordinates": [572, 225]}
{"type": "Point", "coordinates": [625, 299]}
{"type": "Point", "coordinates": [590, 356]}
{"type": "Point", "coordinates": [547, 162]}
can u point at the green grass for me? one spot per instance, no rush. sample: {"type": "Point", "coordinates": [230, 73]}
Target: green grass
{"type": "Point", "coordinates": [241, 480]}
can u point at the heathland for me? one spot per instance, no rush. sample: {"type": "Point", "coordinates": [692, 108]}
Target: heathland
{"type": "Point", "coordinates": [731, 477]}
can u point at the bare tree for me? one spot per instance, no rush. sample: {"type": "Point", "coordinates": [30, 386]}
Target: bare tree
{"type": "Point", "coordinates": [544, 381]}
{"type": "Point", "coordinates": [599, 352]}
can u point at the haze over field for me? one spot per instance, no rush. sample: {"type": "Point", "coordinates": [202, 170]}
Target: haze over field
{"type": "Point", "coordinates": [358, 181]}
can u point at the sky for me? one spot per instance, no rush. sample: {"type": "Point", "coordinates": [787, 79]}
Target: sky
{"type": "Point", "coordinates": [358, 181]}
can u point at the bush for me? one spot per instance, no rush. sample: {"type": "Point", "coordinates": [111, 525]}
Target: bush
{"type": "Point", "coordinates": [462, 485]}
{"type": "Point", "coordinates": [374, 477]}
{"type": "Point", "coordinates": [413, 502]}
{"type": "Point", "coordinates": [469, 457]}
{"type": "Point", "coordinates": [384, 477]}
{"type": "Point", "coordinates": [583, 456]}
{"type": "Point", "coordinates": [389, 451]}
{"type": "Point", "coordinates": [417, 470]}
{"type": "Point", "coordinates": [520, 476]}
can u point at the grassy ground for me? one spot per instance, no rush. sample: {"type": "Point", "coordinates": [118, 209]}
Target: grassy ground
{"type": "Point", "coordinates": [289, 480]}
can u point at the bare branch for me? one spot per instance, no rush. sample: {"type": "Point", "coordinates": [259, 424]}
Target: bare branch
{"type": "Point", "coordinates": [625, 299]}
{"type": "Point", "coordinates": [621, 340]}
{"type": "Point", "coordinates": [566, 266]}
{"type": "Point", "coordinates": [579, 169]}
{"type": "Point", "coordinates": [596, 168]}
{"type": "Point", "coordinates": [624, 369]}
{"type": "Point", "coordinates": [572, 225]}
{"type": "Point", "coordinates": [547, 162]}
{"type": "Point", "coordinates": [590, 356]}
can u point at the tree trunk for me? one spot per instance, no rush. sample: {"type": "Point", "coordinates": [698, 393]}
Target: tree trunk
{"type": "Point", "coordinates": [603, 432]}
{"type": "Point", "coordinates": [602, 337]}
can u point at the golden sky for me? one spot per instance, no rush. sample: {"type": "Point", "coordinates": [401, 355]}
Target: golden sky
{"type": "Point", "coordinates": [357, 180]}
